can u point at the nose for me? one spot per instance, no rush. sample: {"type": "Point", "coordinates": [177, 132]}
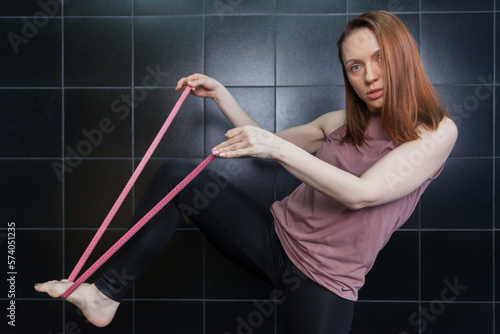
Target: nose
{"type": "Point", "coordinates": [372, 74]}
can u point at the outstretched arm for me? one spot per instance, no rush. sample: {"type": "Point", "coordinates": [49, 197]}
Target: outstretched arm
{"type": "Point", "coordinates": [204, 86]}
{"type": "Point", "coordinates": [385, 181]}
{"type": "Point", "coordinates": [309, 136]}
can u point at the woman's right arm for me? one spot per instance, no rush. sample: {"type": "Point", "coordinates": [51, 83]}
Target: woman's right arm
{"type": "Point", "coordinates": [204, 86]}
{"type": "Point", "coordinates": [309, 136]}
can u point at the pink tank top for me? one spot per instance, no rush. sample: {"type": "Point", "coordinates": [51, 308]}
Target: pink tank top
{"type": "Point", "coordinates": [332, 245]}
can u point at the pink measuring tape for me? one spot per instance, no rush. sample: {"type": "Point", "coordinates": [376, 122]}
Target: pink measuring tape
{"type": "Point", "coordinates": [120, 200]}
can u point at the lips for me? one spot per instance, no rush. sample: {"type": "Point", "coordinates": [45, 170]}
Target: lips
{"type": "Point", "coordinates": [375, 93]}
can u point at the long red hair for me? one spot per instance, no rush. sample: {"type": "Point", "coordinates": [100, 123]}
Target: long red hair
{"type": "Point", "coordinates": [409, 97]}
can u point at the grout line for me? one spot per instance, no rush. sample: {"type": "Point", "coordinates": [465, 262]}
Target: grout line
{"type": "Point", "coordinates": [494, 167]}
{"type": "Point", "coordinates": [132, 149]}
{"type": "Point", "coordinates": [275, 90]}
{"type": "Point", "coordinates": [235, 300]}
{"type": "Point", "coordinates": [420, 204]}
{"type": "Point", "coordinates": [258, 14]}
{"type": "Point", "coordinates": [197, 230]}
{"type": "Point", "coordinates": [204, 148]}
{"type": "Point", "coordinates": [228, 86]}
{"type": "Point", "coordinates": [172, 157]}
{"type": "Point", "coordinates": [63, 181]}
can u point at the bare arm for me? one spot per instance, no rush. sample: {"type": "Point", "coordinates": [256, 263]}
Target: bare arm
{"type": "Point", "coordinates": [382, 183]}
{"type": "Point", "coordinates": [204, 86]}
{"type": "Point", "coordinates": [308, 136]}
{"type": "Point", "coordinates": [311, 136]}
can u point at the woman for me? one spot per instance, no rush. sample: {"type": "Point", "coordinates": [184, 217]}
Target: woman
{"type": "Point", "coordinates": [356, 191]}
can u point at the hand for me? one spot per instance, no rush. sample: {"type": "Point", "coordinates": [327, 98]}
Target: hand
{"type": "Point", "coordinates": [249, 141]}
{"type": "Point", "coordinates": [202, 85]}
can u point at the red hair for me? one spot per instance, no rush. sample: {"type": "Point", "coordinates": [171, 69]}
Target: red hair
{"type": "Point", "coordinates": [409, 97]}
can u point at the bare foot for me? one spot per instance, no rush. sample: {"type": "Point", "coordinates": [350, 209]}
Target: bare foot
{"type": "Point", "coordinates": [96, 307]}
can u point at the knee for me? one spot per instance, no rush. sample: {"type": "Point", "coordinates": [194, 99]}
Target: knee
{"type": "Point", "coordinates": [172, 172]}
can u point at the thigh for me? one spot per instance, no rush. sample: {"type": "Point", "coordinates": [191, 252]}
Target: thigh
{"type": "Point", "coordinates": [310, 308]}
{"type": "Point", "coordinates": [233, 222]}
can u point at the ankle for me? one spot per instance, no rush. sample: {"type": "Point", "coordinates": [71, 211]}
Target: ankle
{"type": "Point", "coordinates": [101, 297]}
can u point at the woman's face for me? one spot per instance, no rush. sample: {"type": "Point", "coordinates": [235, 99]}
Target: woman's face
{"type": "Point", "coordinates": [361, 54]}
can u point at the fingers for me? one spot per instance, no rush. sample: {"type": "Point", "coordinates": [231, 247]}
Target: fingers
{"type": "Point", "coordinates": [194, 80]}
{"type": "Point", "coordinates": [237, 144]}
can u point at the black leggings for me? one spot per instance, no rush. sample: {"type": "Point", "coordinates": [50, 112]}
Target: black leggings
{"type": "Point", "coordinates": [241, 230]}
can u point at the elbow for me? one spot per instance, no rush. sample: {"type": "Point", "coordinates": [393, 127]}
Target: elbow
{"type": "Point", "coordinates": [359, 200]}
{"type": "Point", "coordinates": [356, 205]}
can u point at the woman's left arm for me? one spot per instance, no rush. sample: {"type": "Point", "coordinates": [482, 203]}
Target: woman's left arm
{"type": "Point", "coordinates": [395, 175]}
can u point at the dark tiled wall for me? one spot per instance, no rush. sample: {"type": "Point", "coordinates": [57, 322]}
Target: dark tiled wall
{"type": "Point", "coordinates": [79, 72]}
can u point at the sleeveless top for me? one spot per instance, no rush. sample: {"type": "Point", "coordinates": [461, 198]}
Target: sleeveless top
{"type": "Point", "coordinates": [331, 244]}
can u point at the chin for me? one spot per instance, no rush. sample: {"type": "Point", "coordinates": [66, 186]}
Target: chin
{"type": "Point", "coordinates": [375, 108]}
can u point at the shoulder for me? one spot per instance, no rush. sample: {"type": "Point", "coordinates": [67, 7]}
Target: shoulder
{"type": "Point", "coordinates": [331, 121]}
{"type": "Point", "coordinates": [445, 134]}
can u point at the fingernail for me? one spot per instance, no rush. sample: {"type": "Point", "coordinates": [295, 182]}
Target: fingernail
{"type": "Point", "coordinates": [215, 152]}
{"type": "Point", "coordinates": [38, 284]}
{"type": "Point", "coordinates": [222, 155]}
{"type": "Point", "coordinates": [190, 82]}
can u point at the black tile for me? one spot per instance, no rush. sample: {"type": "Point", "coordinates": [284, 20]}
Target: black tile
{"type": "Point", "coordinates": [257, 102]}
{"type": "Point", "coordinates": [184, 137]}
{"type": "Point", "coordinates": [31, 54]}
{"type": "Point", "coordinates": [497, 319]}
{"type": "Point", "coordinates": [454, 317]}
{"type": "Point", "coordinates": [456, 48]}
{"type": "Point", "coordinates": [30, 8]}
{"type": "Point", "coordinates": [240, 317]}
{"type": "Point", "coordinates": [37, 258]}
{"type": "Point", "coordinates": [177, 272]}
{"type": "Point", "coordinates": [225, 280]}
{"type": "Point", "coordinates": [231, 7]}
{"type": "Point", "coordinates": [122, 322]}
{"type": "Point", "coordinates": [35, 316]}
{"type": "Point", "coordinates": [497, 266]}
{"type": "Point", "coordinates": [306, 53]}
{"type": "Point", "coordinates": [300, 105]}
{"type": "Point", "coordinates": [497, 121]}
{"type": "Point", "coordinates": [497, 22]}
{"type": "Point", "coordinates": [148, 7]}
{"type": "Point", "coordinates": [461, 197]}
{"type": "Point", "coordinates": [451, 5]}
{"type": "Point", "coordinates": [395, 273]}
{"type": "Point", "coordinates": [362, 6]}
{"type": "Point", "coordinates": [31, 193]}
{"type": "Point", "coordinates": [459, 259]}
{"type": "Point", "coordinates": [97, 123]}
{"type": "Point", "coordinates": [98, 8]}
{"type": "Point", "coordinates": [169, 317]}
{"type": "Point", "coordinates": [411, 21]}
{"type": "Point", "coordinates": [97, 52]}
{"type": "Point", "coordinates": [161, 59]}
{"type": "Point", "coordinates": [239, 50]}
{"type": "Point", "coordinates": [309, 7]}
{"type": "Point", "coordinates": [77, 241]}
{"type": "Point", "coordinates": [285, 183]}
{"type": "Point", "coordinates": [30, 123]}
{"type": "Point", "coordinates": [414, 221]}
{"type": "Point", "coordinates": [471, 108]}
{"type": "Point", "coordinates": [382, 318]}
{"type": "Point", "coordinates": [92, 188]}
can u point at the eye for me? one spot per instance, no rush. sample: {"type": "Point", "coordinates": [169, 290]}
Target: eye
{"type": "Point", "coordinates": [354, 68]}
